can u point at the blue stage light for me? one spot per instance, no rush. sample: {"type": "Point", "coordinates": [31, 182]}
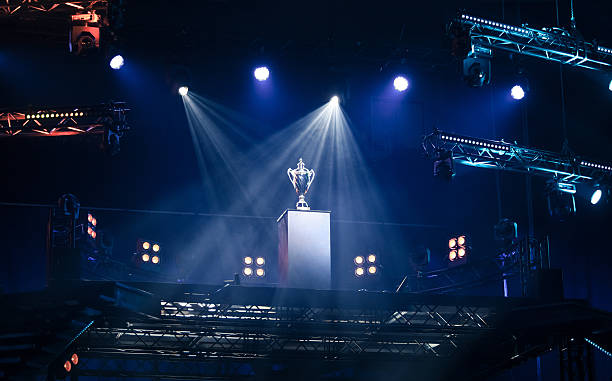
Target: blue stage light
{"type": "Point", "coordinates": [116, 62]}
{"type": "Point", "coordinates": [400, 83]}
{"type": "Point", "coordinates": [517, 92]}
{"type": "Point", "coordinates": [596, 196]}
{"type": "Point", "coordinates": [261, 73]}
{"type": "Point", "coordinates": [610, 85]}
{"type": "Point", "coordinates": [334, 100]}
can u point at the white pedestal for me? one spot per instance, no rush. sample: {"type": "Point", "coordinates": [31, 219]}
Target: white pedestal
{"type": "Point", "coordinates": [304, 249]}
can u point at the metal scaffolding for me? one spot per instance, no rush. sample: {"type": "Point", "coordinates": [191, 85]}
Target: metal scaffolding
{"type": "Point", "coordinates": [64, 121]}
{"type": "Point", "coordinates": [550, 44]}
{"type": "Point", "coordinates": [17, 7]}
{"type": "Point", "coordinates": [505, 156]}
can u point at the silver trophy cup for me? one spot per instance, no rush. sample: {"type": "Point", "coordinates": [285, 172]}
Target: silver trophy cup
{"type": "Point", "coordinates": [301, 178]}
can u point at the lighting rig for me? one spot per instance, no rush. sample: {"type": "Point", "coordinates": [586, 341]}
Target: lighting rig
{"type": "Point", "coordinates": [550, 44]}
{"type": "Point", "coordinates": [107, 119]}
{"type": "Point", "coordinates": [17, 7]}
{"type": "Point", "coordinates": [505, 156]}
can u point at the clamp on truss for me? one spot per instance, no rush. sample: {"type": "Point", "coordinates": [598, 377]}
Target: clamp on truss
{"type": "Point", "coordinates": [504, 156]}
{"type": "Point", "coordinates": [551, 44]}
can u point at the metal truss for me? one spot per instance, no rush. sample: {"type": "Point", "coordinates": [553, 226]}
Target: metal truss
{"type": "Point", "coordinates": [551, 44]}
{"type": "Point", "coordinates": [15, 7]}
{"type": "Point", "coordinates": [64, 121]}
{"type": "Point", "coordinates": [500, 155]}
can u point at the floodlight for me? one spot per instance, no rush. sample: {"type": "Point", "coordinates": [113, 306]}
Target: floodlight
{"type": "Point", "coordinates": [183, 90]}
{"type": "Point", "coordinates": [248, 271]}
{"type": "Point", "coordinates": [146, 245]}
{"type": "Point", "coordinates": [145, 257]}
{"type": "Point", "coordinates": [517, 92]}
{"type": "Point", "coordinates": [261, 73]}
{"type": "Point", "coordinates": [359, 271]}
{"type": "Point", "coordinates": [359, 260]}
{"type": "Point", "coordinates": [155, 247]}
{"type": "Point", "coordinates": [116, 62]}
{"type": "Point", "coordinates": [155, 259]}
{"type": "Point", "coordinates": [74, 359]}
{"type": "Point", "coordinates": [260, 272]}
{"type": "Point", "coordinates": [334, 100]}
{"type": "Point", "coordinates": [400, 83]}
{"type": "Point", "coordinates": [372, 270]}
{"type": "Point", "coordinates": [248, 260]}
{"type": "Point", "coordinates": [596, 196]}
{"type": "Point", "coordinates": [260, 261]}
{"type": "Point", "coordinates": [371, 258]}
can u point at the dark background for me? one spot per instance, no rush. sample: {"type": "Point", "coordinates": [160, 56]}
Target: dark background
{"type": "Point", "coordinates": [314, 50]}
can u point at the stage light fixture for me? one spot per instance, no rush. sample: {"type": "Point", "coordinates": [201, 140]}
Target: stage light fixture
{"type": "Point", "coordinates": [247, 271]}
{"type": "Point", "coordinates": [372, 270]}
{"type": "Point", "coordinates": [610, 85]}
{"type": "Point", "coordinates": [359, 271]}
{"type": "Point", "coordinates": [116, 62]}
{"type": "Point", "coordinates": [261, 73]}
{"type": "Point", "coordinates": [145, 257]}
{"type": "Point", "coordinates": [260, 272]}
{"type": "Point", "coordinates": [183, 90]}
{"type": "Point", "coordinates": [248, 260]}
{"type": "Point", "coordinates": [560, 200]}
{"type": "Point", "coordinates": [155, 247]}
{"type": "Point", "coordinates": [596, 196]}
{"type": "Point", "coordinates": [67, 366]}
{"type": "Point", "coordinates": [400, 83]}
{"type": "Point", "coordinates": [146, 245]}
{"type": "Point", "coordinates": [443, 166]}
{"type": "Point", "coordinates": [74, 359]}
{"type": "Point", "coordinates": [477, 71]}
{"type": "Point", "coordinates": [517, 92]}
{"type": "Point", "coordinates": [260, 261]}
{"type": "Point", "coordinates": [359, 260]}
{"type": "Point", "coordinates": [84, 33]}
{"type": "Point", "coordinates": [452, 255]}
{"type": "Point", "coordinates": [155, 259]}
{"type": "Point", "coordinates": [334, 100]}
{"type": "Point", "coordinates": [372, 258]}
{"type": "Point", "coordinates": [461, 240]}
{"type": "Point", "coordinates": [452, 243]}
{"type": "Point", "coordinates": [461, 252]}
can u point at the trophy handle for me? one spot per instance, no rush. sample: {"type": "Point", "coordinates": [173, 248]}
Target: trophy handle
{"type": "Point", "coordinates": [311, 176]}
{"type": "Point", "coordinates": [291, 177]}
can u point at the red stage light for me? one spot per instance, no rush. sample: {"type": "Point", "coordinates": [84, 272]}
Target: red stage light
{"type": "Point", "coordinates": [68, 366]}
{"type": "Point", "coordinates": [74, 358]}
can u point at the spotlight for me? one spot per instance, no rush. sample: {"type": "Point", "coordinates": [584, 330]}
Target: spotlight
{"type": "Point", "coordinates": [260, 261]}
{"type": "Point", "coordinates": [146, 245]}
{"type": "Point", "coordinates": [334, 100]}
{"type": "Point", "coordinates": [247, 271]}
{"type": "Point", "coordinates": [155, 248]}
{"type": "Point", "coordinates": [477, 71]}
{"type": "Point", "coordinates": [84, 33]}
{"type": "Point", "coordinates": [452, 255]}
{"type": "Point", "coordinates": [74, 359]}
{"type": "Point", "coordinates": [248, 260]}
{"type": "Point", "coordinates": [596, 196]}
{"type": "Point", "coordinates": [517, 92]}
{"type": "Point", "coordinates": [610, 85]}
{"type": "Point", "coordinates": [400, 83]}
{"type": "Point", "coordinates": [261, 73]}
{"type": "Point", "coordinates": [359, 271]}
{"type": "Point", "coordinates": [183, 90]}
{"type": "Point", "coordinates": [116, 62]}
{"type": "Point", "coordinates": [461, 240]}
{"type": "Point", "coordinates": [461, 252]}
{"type": "Point", "coordinates": [359, 260]}
{"type": "Point", "coordinates": [372, 270]}
{"type": "Point", "coordinates": [452, 243]}
{"type": "Point", "coordinates": [155, 259]}
{"type": "Point", "coordinates": [67, 366]}
{"type": "Point", "coordinates": [260, 272]}
{"type": "Point", "coordinates": [371, 258]}
{"type": "Point", "coordinates": [145, 257]}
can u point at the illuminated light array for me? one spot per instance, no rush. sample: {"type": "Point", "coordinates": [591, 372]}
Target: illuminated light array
{"type": "Point", "coordinates": [361, 262]}
{"type": "Point", "coordinates": [458, 248]}
{"type": "Point", "coordinates": [91, 226]}
{"type": "Point", "coordinates": [604, 50]}
{"type": "Point", "coordinates": [496, 146]}
{"type": "Point", "coordinates": [599, 347]}
{"type": "Point", "coordinates": [495, 24]}
{"type": "Point", "coordinates": [148, 252]}
{"type": "Point", "coordinates": [55, 115]}
{"type": "Point", "coordinates": [68, 365]}
{"type": "Point", "coordinates": [595, 165]}
{"type": "Point", "coordinates": [259, 262]}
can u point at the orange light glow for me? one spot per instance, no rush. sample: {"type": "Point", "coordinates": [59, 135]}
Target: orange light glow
{"type": "Point", "coordinates": [372, 270]}
{"type": "Point", "coordinates": [359, 260]}
{"type": "Point", "coordinates": [93, 234]}
{"type": "Point", "coordinates": [94, 221]}
{"type": "Point", "coordinates": [461, 252]}
{"type": "Point", "coordinates": [155, 259]}
{"type": "Point", "coordinates": [145, 257]}
{"type": "Point", "coordinates": [452, 243]}
{"type": "Point", "coordinates": [74, 358]}
{"type": "Point", "coordinates": [89, 217]}
{"type": "Point", "coordinates": [68, 366]}
{"type": "Point", "coordinates": [371, 258]}
{"type": "Point", "coordinates": [248, 260]}
{"type": "Point", "coordinates": [155, 247]}
{"type": "Point", "coordinates": [461, 240]}
{"type": "Point", "coordinates": [260, 272]}
{"type": "Point", "coordinates": [452, 255]}
{"type": "Point", "coordinates": [89, 230]}
{"type": "Point", "coordinates": [248, 271]}
{"type": "Point", "coordinates": [260, 261]}
{"type": "Point", "coordinates": [359, 271]}
{"type": "Point", "coordinates": [146, 245]}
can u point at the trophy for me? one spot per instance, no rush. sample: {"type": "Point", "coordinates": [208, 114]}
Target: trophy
{"type": "Point", "coordinates": [301, 178]}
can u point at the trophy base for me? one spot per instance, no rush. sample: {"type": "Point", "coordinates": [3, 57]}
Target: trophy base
{"type": "Point", "coordinates": [301, 204]}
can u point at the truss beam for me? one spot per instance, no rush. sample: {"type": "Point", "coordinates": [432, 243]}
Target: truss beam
{"type": "Point", "coordinates": [550, 44]}
{"type": "Point", "coordinates": [504, 156]}
{"type": "Point", "coordinates": [17, 7]}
